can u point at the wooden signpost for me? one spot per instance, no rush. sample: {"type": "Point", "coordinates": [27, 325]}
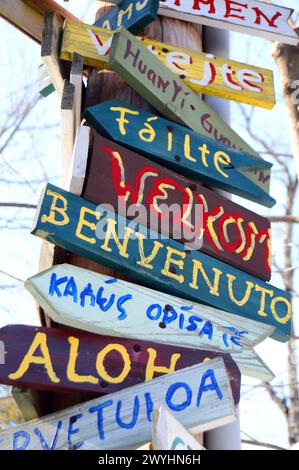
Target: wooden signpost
{"type": "Point", "coordinates": [119, 308]}
{"type": "Point", "coordinates": [169, 434]}
{"type": "Point", "coordinates": [135, 186]}
{"type": "Point", "coordinates": [199, 396]}
{"type": "Point", "coordinates": [92, 231]}
{"type": "Point", "coordinates": [27, 15]}
{"type": "Point", "coordinates": [74, 361]}
{"type": "Point", "coordinates": [133, 15]}
{"type": "Point", "coordinates": [203, 73]}
{"type": "Point", "coordinates": [169, 94]}
{"type": "Point", "coordinates": [253, 17]}
{"type": "Point", "coordinates": [177, 147]}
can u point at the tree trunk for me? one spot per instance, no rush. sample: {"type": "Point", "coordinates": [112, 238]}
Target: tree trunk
{"type": "Point", "coordinates": [287, 60]}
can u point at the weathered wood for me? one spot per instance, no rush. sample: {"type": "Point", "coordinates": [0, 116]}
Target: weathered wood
{"type": "Point", "coordinates": [98, 234]}
{"type": "Point", "coordinates": [169, 94]}
{"type": "Point", "coordinates": [203, 73]}
{"type": "Point", "coordinates": [68, 126]}
{"type": "Point", "coordinates": [177, 147]}
{"type": "Point", "coordinates": [26, 15]}
{"type": "Point", "coordinates": [251, 17]}
{"type": "Point", "coordinates": [46, 86]}
{"type": "Point", "coordinates": [199, 396]}
{"type": "Point", "coordinates": [74, 361]}
{"type": "Point", "coordinates": [51, 41]}
{"type": "Point", "coordinates": [169, 434]}
{"type": "Point", "coordinates": [77, 169]}
{"type": "Point", "coordinates": [170, 204]}
{"type": "Point", "coordinates": [131, 14]}
{"type": "Point", "coordinates": [24, 402]}
{"type": "Point", "coordinates": [76, 78]}
{"type": "Point", "coordinates": [119, 308]}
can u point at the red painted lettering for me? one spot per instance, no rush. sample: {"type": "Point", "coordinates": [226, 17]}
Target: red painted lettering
{"type": "Point", "coordinates": [229, 4]}
{"type": "Point", "coordinates": [270, 21]}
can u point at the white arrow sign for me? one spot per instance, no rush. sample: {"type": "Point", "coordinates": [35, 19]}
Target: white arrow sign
{"type": "Point", "coordinates": [200, 396]}
{"type": "Point", "coordinates": [93, 302]}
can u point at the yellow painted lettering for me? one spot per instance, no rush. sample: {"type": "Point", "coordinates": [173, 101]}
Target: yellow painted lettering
{"type": "Point", "coordinates": [168, 270]}
{"type": "Point", "coordinates": [145, 261]}
{"type": "Point", "coordinates": [148, 133]}
{"type": "Point", "coordinates": [187, 149]}
{"type": "Point", "coordinates": [85, 223]}
{"type": "Point", "coordinates": [111, 233]}
{"type": "Point", "coordinates": [141, 5]}
{"type": "Point", "coordinates": [40, 341]}
{"type": "Point", "coordinates": [264, 292]}
{"type": "Point", "coordinates": [197, 266]}
{"type": "Point", "coordinates": [169, 140]}
{"type": "Point", "coordinates": [231, 278]}
{"type": "Point", "coordinates": [122, 13]}
{"type": "Point", "coordinates": [54, 209]}
{"type": "Point", "coordinates": [122, 117]}
{"type": "Point", "coordinates": [151, 368]}
{"type": "Point", "coordinates": [204, 152]}
{"type": "Point", "coordinates": [71, 367]}
{"type": "Point", "coordinates": [221, 157]}
{"type": "Point", "coordinates": [101, 367]}
{"type": "Point", "coordinates": [287, 316]}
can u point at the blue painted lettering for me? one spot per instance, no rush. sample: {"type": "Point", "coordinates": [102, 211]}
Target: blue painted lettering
{"type": "Point", "coordinates": [135, 414]}
{"type": "Point", "coordinates": [99, 408]}
{"type": "Point", "coordinates": [203, 387]}
{"type": "Point", "coordinates": [172, 390]}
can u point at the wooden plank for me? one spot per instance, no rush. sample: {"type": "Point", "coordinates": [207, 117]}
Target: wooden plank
{"type": "Point", "coordinates": [203, 73]}
{"type": "Point", "coordinates": [51, 39]}
{"type": "Point", "coordinates": [77, 171]}
{"type": "Point", "coordinates": [46, 86]}
{"type": "Point", "coordinates": [45, 6]}
{"type": "Point", "coordinates": [92, 231]}
{"type": "Point", "coordinates": [199, 396]}
{"type": "Point", "coordinates": [169, 434]}
{"type": "Point", "coordinates": [24, 401]}
{"type": "Point", "coordinates": [251, 17]}
{"type": "Point", "coordinates": [173, 205]}
{"type": "Point", "coordinates": [168, 93]}
{"type": "Point", "coordinates": [65, 360]}
{"type": "Point", "coordinates": [76, 78]}
{"type": "Point", "coordinates": [27, 15]}
{"type": "Point", "coordinates": [133, 15]}
{"type": "Point", "coordinates": [68, 126]}
{"type": "Point", "coordinates": [22, 17]}
{"type": "Point", "coordinates": [129, 311]}
{"type": "Point", "coordinates": [177, 147]}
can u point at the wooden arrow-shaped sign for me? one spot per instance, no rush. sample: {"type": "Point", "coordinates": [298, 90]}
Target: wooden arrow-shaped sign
{"type": "Point", "coordinates": [117, 308]}
{"type": "Point", "coordinates": [75, 361]}
{"type": "Point", "coordinates": [168, 93]}
{"type": "Point", "coordinates": [199, 396]}
{"type": "Point", "coordinates": [251, 17]}
{"type": "Point", "coordinates": [94, 232]}
{"type": "Point", "coordinates": [203, 73]}
{"type": "Point", "coordinates": [131, 14]}
{"type": "Point", "coordinates": [169, 203]}
{"type": "Point", "coordinates": [170, 434]}
{"type": "Point", "coordinates": [177, 147]}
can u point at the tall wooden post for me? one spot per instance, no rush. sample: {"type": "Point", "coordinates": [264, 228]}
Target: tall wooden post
{"type": "Point", "coordinates": [102, 86]}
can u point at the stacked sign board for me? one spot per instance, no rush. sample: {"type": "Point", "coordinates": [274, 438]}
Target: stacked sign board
{"type": "Point", "coordinates": [138, 202]}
